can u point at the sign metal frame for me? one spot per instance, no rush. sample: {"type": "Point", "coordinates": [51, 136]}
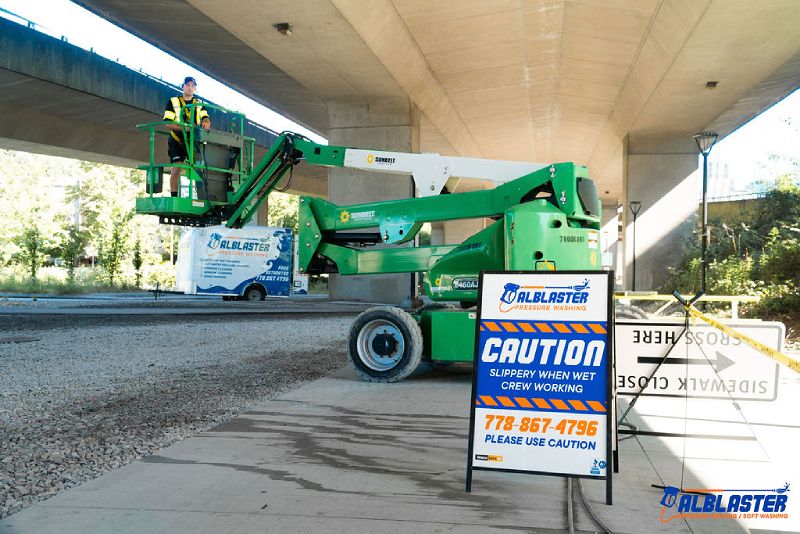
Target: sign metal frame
{"type": "Point", "coordinates": [609, 386]}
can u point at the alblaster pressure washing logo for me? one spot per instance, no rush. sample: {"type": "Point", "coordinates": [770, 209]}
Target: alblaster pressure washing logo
{"type": "Point", "coordinates": [218, 242]}
{"type": "Point", "coordinates": [214, 240]}
{"type": "Point", "coordinates": [724, 503]}
{"type": "Point", "coordinates": [562, 298]}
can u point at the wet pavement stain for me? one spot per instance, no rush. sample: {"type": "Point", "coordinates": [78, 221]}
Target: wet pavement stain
{"type": "Point", "coordinates": [327, 439]}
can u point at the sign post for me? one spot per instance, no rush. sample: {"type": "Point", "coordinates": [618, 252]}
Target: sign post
{"type": "Point", "coordinates": [542, 378]}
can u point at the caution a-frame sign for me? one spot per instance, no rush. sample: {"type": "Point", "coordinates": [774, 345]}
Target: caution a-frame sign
{"type": "Point", "coordinates": [542, 379]}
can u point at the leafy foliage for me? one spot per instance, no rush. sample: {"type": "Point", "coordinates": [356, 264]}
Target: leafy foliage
{"type": "Point", "coordinates": [73, 248]}
{"type": "Point", "coordinates": [283, 210]}
{"type": "Point", "coordinates": [114, 246]}
{"type": "Point", "coordinates": [137, 261]}
{"type": "Point", "coordinates": [758, 256]}
{"type": "Point", "coordinates": [31, 243]}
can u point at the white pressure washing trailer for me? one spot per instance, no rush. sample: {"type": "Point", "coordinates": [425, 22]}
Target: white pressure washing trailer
{"type": "Point", "coordinates": [247, 263]}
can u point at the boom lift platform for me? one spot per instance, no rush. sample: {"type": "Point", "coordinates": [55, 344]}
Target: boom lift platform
{"type": "Point", "coordinates": [546, 217]}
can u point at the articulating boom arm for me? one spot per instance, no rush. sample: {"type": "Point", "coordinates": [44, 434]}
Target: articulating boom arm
{"type": "Point", "coordinates": [546, 216]}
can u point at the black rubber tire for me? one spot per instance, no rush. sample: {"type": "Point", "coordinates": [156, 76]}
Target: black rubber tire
{"type": "Point", "coordinates": [404, 325]}
{"type": "Point", "coordinates": [254, 292]}
{"type": "Point", "coordinates": [626, 311]}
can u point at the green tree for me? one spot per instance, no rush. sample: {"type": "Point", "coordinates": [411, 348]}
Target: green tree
{"type": "Point", "coordinates": [113, 248]}
{"type": "Point", "coordinates": [138, 261]}
{"type": "Point", "coordinates": [31, 244]}
{"type": "Point", "coordinates": [72, 248]}
{"type": "Point", "coordinates": [283, 210]}
{"type": "Point", "coordinates": [32, 194]}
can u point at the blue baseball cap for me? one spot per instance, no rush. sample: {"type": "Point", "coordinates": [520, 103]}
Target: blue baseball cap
{"type": "Point", "coordinates": [189, 79]}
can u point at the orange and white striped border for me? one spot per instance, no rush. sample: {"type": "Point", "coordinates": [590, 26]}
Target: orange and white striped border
{"type": "Point", "coordinates": [531, 327]}
{"type": "Point", "coordinates": [572, 405]}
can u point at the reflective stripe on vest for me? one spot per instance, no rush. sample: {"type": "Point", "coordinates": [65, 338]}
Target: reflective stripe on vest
{"type": "Point", "coordinates": [177, 107]}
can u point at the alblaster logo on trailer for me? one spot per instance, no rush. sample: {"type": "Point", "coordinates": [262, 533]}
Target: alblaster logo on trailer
{"type": "Point", "coordinates": [217, 242]}
{"type": "Point", "coordinates": [517, 296]}
{"type": "Point", "coordinates": [214, 240]}
{"type": "Point", "coordinates": [724, 503]}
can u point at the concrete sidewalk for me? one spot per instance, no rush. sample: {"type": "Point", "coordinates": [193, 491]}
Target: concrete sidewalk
{"type": "Point", "coordinates": [341, 455]}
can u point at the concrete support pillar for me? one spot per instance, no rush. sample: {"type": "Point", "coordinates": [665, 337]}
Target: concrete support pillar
{"type": "Point", "coordinates": [437, 233]}
{"type": "Point", "coordinates": [385, 124]}
{"type": "Point", "coordinates": [664, 178]}
{"type": "Point", "coordinates": [610, 242]}
{"type": "Point", "coordinates": [455, 232]}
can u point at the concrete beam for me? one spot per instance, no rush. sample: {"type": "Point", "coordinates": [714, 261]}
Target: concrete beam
{"type": "Point", "coordinates": [59, 99]}
{"type": "Point", "coordinates": [184, 31]}
{"type": "Point", "coordinates": [669, 30]}
{"type": "Point", "coordinates": [386, 34]}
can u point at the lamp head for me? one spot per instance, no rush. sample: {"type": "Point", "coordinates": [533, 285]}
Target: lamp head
{"type": "Point", "coordinates": [705, 141]}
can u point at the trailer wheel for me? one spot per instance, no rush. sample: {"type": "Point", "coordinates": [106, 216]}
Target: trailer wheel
{"type": "Point", "coordinates": [385, 344]}
{"type": "Point", "coordinates": [254, 292]}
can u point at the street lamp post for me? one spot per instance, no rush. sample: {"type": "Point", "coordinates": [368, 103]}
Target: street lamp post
{"type": "Point", "coordinates": [635, 206]}
{"type": "Point", "coordinates": [705, 142]}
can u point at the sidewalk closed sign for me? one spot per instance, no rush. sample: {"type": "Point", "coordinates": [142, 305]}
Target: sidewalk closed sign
{"type": "Point", "coordinates": [542, 376]}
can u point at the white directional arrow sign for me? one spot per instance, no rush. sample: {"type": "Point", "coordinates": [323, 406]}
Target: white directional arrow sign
{"type": "Point", "coordinates": [704, 362]}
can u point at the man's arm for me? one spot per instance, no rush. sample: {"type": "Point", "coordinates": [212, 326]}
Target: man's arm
{"type": "Point", "coordinates": [205, 121]}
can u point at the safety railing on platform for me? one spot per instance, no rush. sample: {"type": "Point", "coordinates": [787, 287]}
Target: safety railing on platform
{"type": "Point", "coordinates": [226, 123]}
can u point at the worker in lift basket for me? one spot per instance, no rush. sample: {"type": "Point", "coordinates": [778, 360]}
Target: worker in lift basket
{"type": "Point", "coordinates": [174, 110]}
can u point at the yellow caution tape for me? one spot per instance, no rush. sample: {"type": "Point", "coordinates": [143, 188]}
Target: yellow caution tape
{"type": "Point", "coordinates": [779, 357]}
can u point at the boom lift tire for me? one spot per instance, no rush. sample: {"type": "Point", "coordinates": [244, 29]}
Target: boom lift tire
{"type": "Point", "coordinates": [385, 344]}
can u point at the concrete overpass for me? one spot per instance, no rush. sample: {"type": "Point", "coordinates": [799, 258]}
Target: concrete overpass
{"type": "Point", "coordinates": [618, 85]}
{"type": "Point", "coordinates": [61, 100]}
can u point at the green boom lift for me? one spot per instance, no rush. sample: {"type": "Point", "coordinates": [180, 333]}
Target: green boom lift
{"type": "Point", "coordinates": [546, 217]}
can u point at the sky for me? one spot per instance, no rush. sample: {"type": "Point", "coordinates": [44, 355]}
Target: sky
{"type": "Point", "coordinates": [761, 150]}
{"type": "Point", "coordinates": [765, 147]}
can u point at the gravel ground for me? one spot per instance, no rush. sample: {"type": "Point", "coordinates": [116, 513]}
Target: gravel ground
{"type": "Point", "coordinates": [80, 396]}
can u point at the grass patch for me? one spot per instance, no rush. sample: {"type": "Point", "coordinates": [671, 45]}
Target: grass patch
{"type": "Point", "coordinates": [54, 281]}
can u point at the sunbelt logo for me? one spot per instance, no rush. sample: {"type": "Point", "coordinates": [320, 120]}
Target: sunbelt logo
{"type": "Point", "coordinates": [724, 503]}
{"type": "Point", "coordinates": [522, 297]}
